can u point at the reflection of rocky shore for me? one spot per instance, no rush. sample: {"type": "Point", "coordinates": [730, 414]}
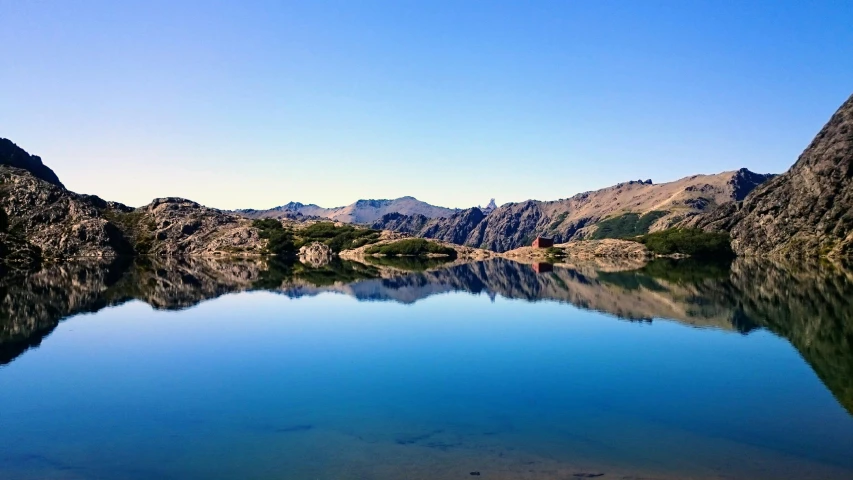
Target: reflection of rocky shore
{"type": "Point", "coordinates": [812, 306]}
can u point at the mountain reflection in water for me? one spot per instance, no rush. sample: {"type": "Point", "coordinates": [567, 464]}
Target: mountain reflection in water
{"type": "Point", "coordinates": [809, 305]}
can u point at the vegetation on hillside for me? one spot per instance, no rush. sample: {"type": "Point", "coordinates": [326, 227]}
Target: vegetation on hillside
{"type": "Point", "coordinates": [688, 241]}
{"type": "Point", "coordinates": [626, 225]}
{"type": "Point", "coordinates": [411, 247]}
{"type": "Point", "coordinates": [280, 239]}
{"type": "Point", "coordinates": [344, 237]}
{"type": "Point", "coordinates": [134, 225]}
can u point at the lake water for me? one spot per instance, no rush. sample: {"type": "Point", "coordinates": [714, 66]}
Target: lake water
{"type": "Point", "coordinates": [203, 369]}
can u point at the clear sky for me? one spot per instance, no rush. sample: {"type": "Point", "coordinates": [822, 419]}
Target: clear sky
{"type": "Point", "coordinates": [253, 104]}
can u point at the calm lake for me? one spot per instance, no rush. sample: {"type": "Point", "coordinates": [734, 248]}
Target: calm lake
{"type": "Point", "coordinates": [208, 369]}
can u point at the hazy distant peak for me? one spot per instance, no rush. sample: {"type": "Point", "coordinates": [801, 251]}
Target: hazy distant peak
{"type": "Point", "coordinates": [361, 211]}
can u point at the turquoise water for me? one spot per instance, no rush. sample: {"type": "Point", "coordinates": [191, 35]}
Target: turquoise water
{"type": "Point", "coordinates": [326, 381]}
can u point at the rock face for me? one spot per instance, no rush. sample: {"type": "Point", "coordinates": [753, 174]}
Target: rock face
{"type": "Point", "coordinates": [489, 208]}
{"type": "Point", "coordinates": [808, 210]}
{"type": "Point", "coordinates": [14, 156]}
{"type": "Point", "coordinates": [316, 254]}
{"type": "Point", "coordinates": [515, 225]}
{"type": "Point", "coordinates": [362, 211]}
{"type": "Point", "coordinates": [183, 227]}
{"type": "Point", "coordinates": [42, 216]}
{"type": "Point", "coordinates": [59, 222]}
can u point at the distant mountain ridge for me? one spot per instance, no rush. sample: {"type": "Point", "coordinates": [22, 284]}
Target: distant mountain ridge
{"type": "Point", "coordinates": [635, 203]}
{"type": "Point", "coordinates": [362, 211]}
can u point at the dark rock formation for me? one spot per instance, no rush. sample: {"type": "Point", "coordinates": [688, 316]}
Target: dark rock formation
{"type": "Point", "coordinates": [14, 156]}
{"type": "Point", "coordinates": [61, 224]}
{"type": "Point", "coordinates": [808, 210]}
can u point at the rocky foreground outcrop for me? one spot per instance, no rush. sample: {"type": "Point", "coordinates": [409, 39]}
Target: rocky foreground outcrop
{"type": "Point", "coordinates": [807, 211]}
{"type": "Point", "coordinates": [41, 215]}
{"type": "Point", "coordinates": [515, 225]}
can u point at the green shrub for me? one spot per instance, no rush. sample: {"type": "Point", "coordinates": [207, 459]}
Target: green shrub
{"type": "Point", "coordinates": [267, 224]}
{"type": "Point", "coordinates": [411, 247]}
{"type": "Point", "coordinates": [688, 241]}
{"type": "Point", "coordinates": [135, 226]}
{"type": "Point", "coordinates": [626, 225]}
{"type": "Point", "coordinates": [345, 237]}
{"type": "Point", "coordinates": [555, 252]}
{"type": "Point", "coordinates": [280, 240]}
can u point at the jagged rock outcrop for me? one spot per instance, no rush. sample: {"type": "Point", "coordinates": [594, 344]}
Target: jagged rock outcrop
{"type": "Point", "coordinates": [316, 254]}
{"type": "Point", "coordinates": [59, 223]}
{"type": "Point", "coordinates": [807, 211]}
{"type": "Point", "coordinates": [14, 156]}
{"type": "Point", "coordinates": [490, 207]}
{"type": "Point", "coordinates": [515, 225]}
{"type": "Point", "coordinates": [183, 227]}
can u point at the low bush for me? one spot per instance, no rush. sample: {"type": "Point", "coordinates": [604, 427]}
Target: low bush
{"type": "Point", "coordinates": [412, 247]}
{"type": "Point", "coordinates": [626, 225]}
{"type": "Point", "coordinates": [280, 239]}
{"type": "Point", "coordinates": [345, 237]}
{"type": "Point", "coordinates": [688, 241]}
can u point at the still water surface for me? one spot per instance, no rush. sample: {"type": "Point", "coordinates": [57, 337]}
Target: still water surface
{"type": "Point", "coordinates": [258, 371]}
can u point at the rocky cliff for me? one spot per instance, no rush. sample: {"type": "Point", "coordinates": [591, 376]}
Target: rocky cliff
{"type": "Point", "coordinates": [14, 156]}
{"type": "Point", "coordinates": [807, 211]}
{"type": "Point", "coordinates": [41, 216]}
{"type": "Point", "coordinates": [642, 205]}
{"type": "Point", "coordinates": [362, 211]}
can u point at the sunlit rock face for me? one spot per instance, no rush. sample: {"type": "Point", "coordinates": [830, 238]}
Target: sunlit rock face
{"type": "Point", "coordinates": [808, 210]}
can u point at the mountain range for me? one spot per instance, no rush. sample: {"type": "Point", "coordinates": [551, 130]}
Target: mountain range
{"type": "Point", "coordinates": [362, 211]}
{"type": "Point", "coordinates": [637, 206]}
{"type": "Point", "coordinates": [807, 211]}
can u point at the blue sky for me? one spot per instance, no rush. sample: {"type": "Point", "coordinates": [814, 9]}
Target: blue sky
{"type": "Point", "coordinates": [254, 104]}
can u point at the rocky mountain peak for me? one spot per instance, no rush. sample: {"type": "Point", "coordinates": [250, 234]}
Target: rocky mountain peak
{"type": "Point", "coordinates": [806, 211]}
{"type": "Point", "coordinates": [744, 181]}
{"type": "Point", "coordinates": [490, 207]}
{"type": "Point", "coordinates": [15, 156]}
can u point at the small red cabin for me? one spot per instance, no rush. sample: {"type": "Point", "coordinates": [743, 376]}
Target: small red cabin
{"type": "Point", "coordinates": [541, 242]}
